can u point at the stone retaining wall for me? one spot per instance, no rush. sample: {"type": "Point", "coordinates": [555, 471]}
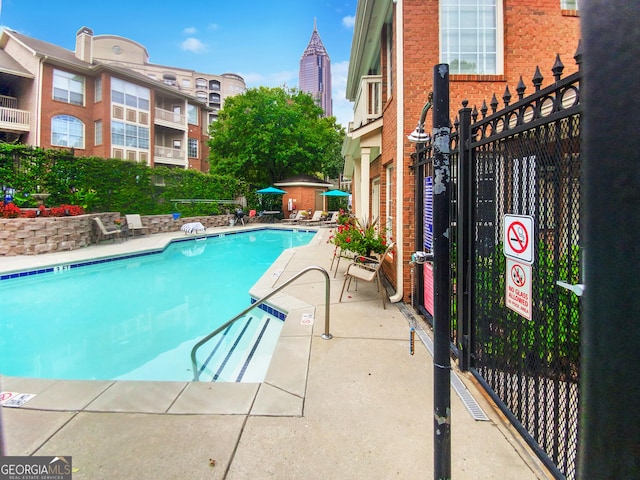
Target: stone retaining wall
{"type": "Point", "coordinates": [33, 236]}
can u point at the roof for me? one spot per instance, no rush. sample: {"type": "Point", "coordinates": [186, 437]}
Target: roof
{"type": "Point", "coordinates": [315, 47]}
{"type": "Point", "coordinates": [302, 180]}
{"type": "Point", "coordinates": [59, 55]}
{"type": "Point", "coordinates": [9, 65]}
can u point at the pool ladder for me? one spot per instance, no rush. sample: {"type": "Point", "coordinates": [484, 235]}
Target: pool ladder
{"type": "Point", "coordinates": [326, 335]}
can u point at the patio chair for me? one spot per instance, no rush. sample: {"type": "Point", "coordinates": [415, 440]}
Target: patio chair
{"type": "Point", "coordinates": [315, 218]}
{"type": "Point", "coordinates": [368, 270]}
{"type": "Point", "coordinates": [338, 254]}
{"type": "Point", "coordinates": [296, 218]}
{"type": "Point", "coordinates": [104, 233]}
{"type": "Point", "coordinates": [134, 223]}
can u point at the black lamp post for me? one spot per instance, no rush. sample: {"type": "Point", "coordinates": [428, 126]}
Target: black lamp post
{"type": "Point", "coordinates": [441, 322]}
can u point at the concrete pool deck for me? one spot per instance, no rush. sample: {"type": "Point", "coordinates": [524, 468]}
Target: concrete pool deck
{"type": "Point", "coordinates": [358, 406]}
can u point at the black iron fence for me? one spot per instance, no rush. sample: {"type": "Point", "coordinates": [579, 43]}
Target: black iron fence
{"type": "Point", "coordinates": [523, 247]}
{"type": "Point", "coordinates": [515, 255]}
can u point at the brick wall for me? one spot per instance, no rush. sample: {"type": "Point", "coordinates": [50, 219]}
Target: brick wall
{"type": "Point", "coordinates": [535, 31]}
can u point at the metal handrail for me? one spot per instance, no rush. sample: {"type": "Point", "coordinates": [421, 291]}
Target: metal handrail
{"type": "Point", "coordinates": [326, 335]}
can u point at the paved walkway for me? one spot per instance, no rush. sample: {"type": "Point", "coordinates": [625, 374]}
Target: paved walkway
{"type": "Point", "coordinates": [358, 406]}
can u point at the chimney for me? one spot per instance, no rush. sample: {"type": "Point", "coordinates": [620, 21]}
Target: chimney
{"type": "Point", "coordinates": [84, 45]}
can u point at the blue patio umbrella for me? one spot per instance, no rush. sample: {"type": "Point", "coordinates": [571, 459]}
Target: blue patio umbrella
{"type": "Point", "coordinates": [335, 193]}
{"type": "Point", "coordinates": [271, 190]}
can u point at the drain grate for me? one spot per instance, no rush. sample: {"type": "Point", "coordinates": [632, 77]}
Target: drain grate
{"type": "Point", "coordinates": [467, 399]}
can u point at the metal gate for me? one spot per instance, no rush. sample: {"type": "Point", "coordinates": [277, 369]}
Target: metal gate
{"type": "Point", "coordinates": [517, 225]}
{"type": "Point", "coordinates": [515, 259]}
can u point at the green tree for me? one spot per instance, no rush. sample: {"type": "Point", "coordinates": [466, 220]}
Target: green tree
{"type": "Point", "coordinates": [268, 134]}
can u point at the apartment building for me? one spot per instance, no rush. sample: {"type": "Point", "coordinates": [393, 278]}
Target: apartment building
{"type": "Point", "coordinates": [488, 45]}
{"type": "Point", "coordinates": [51, 97]}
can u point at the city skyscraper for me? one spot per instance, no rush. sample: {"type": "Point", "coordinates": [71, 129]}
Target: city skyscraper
{"type": "Point", "coordinates": [315, 72]}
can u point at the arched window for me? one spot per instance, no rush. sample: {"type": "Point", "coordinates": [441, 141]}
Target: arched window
{"type": "Point", "coordinates": [67, 131]}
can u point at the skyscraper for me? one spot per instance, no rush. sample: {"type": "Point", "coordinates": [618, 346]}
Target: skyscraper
{"type": "Point", "coordinates": [315, 72]}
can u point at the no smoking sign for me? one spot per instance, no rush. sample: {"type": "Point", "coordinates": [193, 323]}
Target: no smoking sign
{"type": "Point", "coordinates": [518, 237]}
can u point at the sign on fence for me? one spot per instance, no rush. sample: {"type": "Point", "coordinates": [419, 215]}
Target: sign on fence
{"type": "Point", "coordinates": [518, 237]}
{"type": "Point", "coordinates": [518, 288]}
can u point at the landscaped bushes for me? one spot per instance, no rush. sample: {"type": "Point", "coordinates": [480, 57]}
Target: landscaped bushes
{"type": "Point", "coordinates": [100, 185]}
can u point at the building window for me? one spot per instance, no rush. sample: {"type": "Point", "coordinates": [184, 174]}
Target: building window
{"type": "Point", "coordinates": [192, 114]}
{"type": "Point", "coordinates": [471, 36]}
{"type": "Point", "coordinates": [569, 5]}
{"type": "Point", "coordinates": [186, 83]}
{"type": "Point", "coordinates": [98, 132]}
{"type": "Point", "coordinates": [126, 134]}
{"type": "Point", "coordinates": [98, 92]}
{"type": "Point", "coordinates": [67, 131]}
{"type": "Point", "coordinates": [130, 94]}
{"type": "Point", "coordinates": [201, 83]}
{"type": "Point", "coordinates": [68, 87]}
{"type": "Point", "coordinates": [193, 148]}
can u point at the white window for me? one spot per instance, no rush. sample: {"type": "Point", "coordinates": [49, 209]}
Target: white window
{"type": "Point", "coordinates": [130, 94]}
{"type": "Point", "coordinates": [98, 92]}
{"type": "Point", "coordinates": [569, 5]}
{"type": "Point", "coordinates": [192, 114]}
{"type": "Point", "coordinates": [186, 83]}
{"type": "Point", "coordinates": [68, 87]}
{"type": "Point", "coordinates": [471, 36]}
{"type": "Point", "coordinates": [193, 148]}
{"type": "Point", "coordinates": [67, 131]}
{"type": "Point", "coordinates": [98, 132]}
{"type": "Point", "coordinates": [126, 134]}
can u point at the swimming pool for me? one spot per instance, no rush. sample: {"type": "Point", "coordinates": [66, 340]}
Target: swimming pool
{"type": "Point", "coordinates": [134, 318]}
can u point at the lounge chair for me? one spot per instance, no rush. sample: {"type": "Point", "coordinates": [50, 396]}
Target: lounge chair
{"type": "Point", "coordinates": [134, 223]}
{"type": "Point", "coordinates": [193, 227]}
{"type": "Point", "coordinates": [314, 220]}
{"type": "Point", "coordinates": [332, 221]}
{"type": "Point", "coordinates": [296, 218]}
{"type": "Point", "coordinates": [368, 270]}
{"type": "Point", "coordinates": [104, 233]}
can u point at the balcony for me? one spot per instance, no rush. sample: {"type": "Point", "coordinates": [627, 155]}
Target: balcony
{"type": "Point", "coordinates": [170, 156]}
{"type": "Point", "coordinates": [170, 119]}
{"type": "Point", "coordinates": [12, 119]}
{"type": "Point", "coordinates": [368, 104]}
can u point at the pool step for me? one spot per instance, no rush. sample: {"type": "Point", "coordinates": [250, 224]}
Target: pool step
{"type": "Point", "coordinates": [243, 351]}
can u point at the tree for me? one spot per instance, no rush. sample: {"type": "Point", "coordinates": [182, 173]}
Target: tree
{"type": "Point", "coordinates": [268, 134]}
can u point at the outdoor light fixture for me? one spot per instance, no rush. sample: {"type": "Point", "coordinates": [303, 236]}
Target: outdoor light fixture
{"type": "Point", "coordinates": [419, 135]}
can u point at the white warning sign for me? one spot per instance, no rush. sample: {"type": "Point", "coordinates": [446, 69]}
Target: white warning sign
{"type": "Point", "coordinates": [518, 288]}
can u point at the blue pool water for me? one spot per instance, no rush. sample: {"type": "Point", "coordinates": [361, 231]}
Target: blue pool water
{"type": "Point", "coordinates": [136, 318]}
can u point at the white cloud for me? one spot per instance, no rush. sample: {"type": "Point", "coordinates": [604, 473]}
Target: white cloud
{"type": "Point", "coordinates": [273, 79]}
{"type": "Point", "coordinates": [349, 21]}
{"type": "Point", "coordinates": [212, 26]}
{"type": "Point", "coordinates": [190, 31]}
{"type": "Point", "coordinates": [193, 45]}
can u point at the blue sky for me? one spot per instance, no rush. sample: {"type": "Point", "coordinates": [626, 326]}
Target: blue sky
{"type": "Point", "coordinates": [260, 40]}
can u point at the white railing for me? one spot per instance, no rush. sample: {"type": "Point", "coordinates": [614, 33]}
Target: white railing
{"type": "Point", "coordinates": [168, 155]}
{"type": "Point", "coordinates": [14, 119]}
{"type": "Point", "coordinates": [368, 105]}
{"type": "Point", "coordinates": [8, 102]}
{"type": "Point", "coordinates": [171, 119]}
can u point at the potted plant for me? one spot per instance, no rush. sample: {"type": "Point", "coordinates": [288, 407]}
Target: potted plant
{"type": "Point", "coordinates": [359, 237]}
